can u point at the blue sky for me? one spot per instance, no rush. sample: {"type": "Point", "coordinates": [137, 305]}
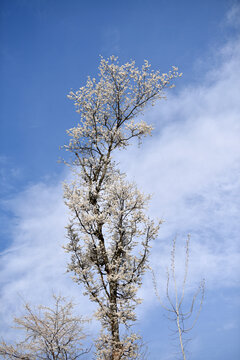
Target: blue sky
{"type": "Point", "coordinates": [191, 163]}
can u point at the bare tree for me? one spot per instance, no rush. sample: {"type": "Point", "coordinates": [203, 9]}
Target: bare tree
{"type": "Point", "coordinates": [109, 234]}
{"type": "Point", "coordinates": [50, 334]}
{"type": "Point", "coordinates": [177, 313]}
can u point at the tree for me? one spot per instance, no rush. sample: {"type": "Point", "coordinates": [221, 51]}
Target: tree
{"type": "Point", "coordinates": [109, 233]}
{"type": "Point", "coordinates": [176, 308]}
{"type": "Point", "coordinates": [50, 334]}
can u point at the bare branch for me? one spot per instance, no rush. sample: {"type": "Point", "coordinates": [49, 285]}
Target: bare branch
{"type": "Point", "coordinates": [176, 312]}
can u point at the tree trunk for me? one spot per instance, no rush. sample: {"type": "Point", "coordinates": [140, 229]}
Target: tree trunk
{"type": "Point", "coordinates": [116, 346]}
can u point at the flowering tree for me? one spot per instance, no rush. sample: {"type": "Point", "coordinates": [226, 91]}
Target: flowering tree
{"type": "Point", "coordinates": [50, 334]}
{"type": "Point", "coordinates": [109, 233]}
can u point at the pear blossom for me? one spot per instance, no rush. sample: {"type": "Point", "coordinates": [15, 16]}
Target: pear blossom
{"type": "Point", "coordinates": [109, 232]}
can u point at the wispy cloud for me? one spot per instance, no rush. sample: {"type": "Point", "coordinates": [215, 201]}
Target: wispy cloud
{"type": "Point", "coordinates": [8, 174]}
{"type": "Point", "coordinates": [34, 266]}
{"type": "Point", "coordinates": [233, 15]}
{"type": "Point", "coordinates": [191, 166]}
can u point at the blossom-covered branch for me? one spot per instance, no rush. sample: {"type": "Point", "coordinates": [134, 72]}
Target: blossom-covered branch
{"type": "Point", "coordinates": [50, 334]}
{"type": "Point", "coordinates": [109, 233]}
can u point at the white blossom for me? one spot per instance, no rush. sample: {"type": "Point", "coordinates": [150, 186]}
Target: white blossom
{"type": "Point", "coordinates": [50, 334]}
{"type": "Point", "coordinates": [109, 233]}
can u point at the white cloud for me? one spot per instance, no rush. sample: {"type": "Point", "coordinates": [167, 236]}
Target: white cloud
{"type": "Point", "coordinates": [233, 16]}
{"type": "Point", "coordinates": [34, 266]}
{"type": "Point", "coordinates": [191, 165]}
